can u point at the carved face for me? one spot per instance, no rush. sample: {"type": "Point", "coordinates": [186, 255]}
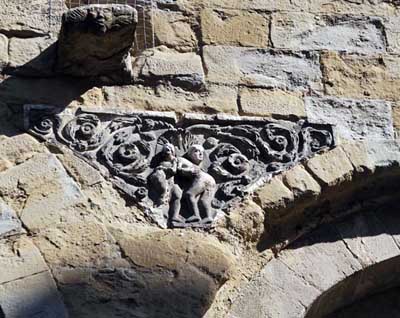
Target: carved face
{"type": "Point", "coordinates": [99, 19]}
{"type": "Point", "coordinates": [168, 151]}
{"type": "Point", "coordinates": [196, 154]}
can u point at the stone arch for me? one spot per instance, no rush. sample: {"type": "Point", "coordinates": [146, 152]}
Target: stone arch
{"type": "Point", "coordinates": [350, 252]}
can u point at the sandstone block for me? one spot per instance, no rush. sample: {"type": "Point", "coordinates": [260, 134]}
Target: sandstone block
{"type": "Point", "coordinates": [9, 222]}
{"type": "Point", "coordinates": [82, 172]}
{"type": "Point", "coordinates": [303, 31]}
{"type": "Point", "coordinates": [20, 148]}
{"type": "Point", "coordinates": [361, 236]}
{"type": "Point", "coordinates": [238, 28]}
{"type": "Point", "coordinates": [18, 259]}
{"type": "Point", "coordinates": [36, 295]}
{"type": "Point", "coordinates": [353, 119]}
{"type": "Point", "coordinates": [257, 67]}
{"type": "Point", "coordinates": [174, 30]}
{"type": "Point", "coordinates": [17, 18]}
{"type": "Point", "coordinates": [32, 56]}
{"type": "Point", "coordinates": [217, 99]}
{"type": "Point", "coordinates": [392, 29]}
{"type": "Point", "coordinates": [3, 51]}
{"type": "Point", "coordinates": [274, 195]}
{"type": "Point", "coordinates": [354, 76]}
{"type": "Point", "coordinates": [384, 153]}
{"type": "Point", "coordinates": [301, 183]}
{"type": "Point", "coordinates": [40, 190]}
{"type": "Point", "coordinates": [247, 220]}
{"type": "Point", "coordinates": [358, 156]}
{"type": "Point", "coordinates": [331, 168]}
{"type": "Point", "coordinates": [396, 119]}
{"type": "Point", "coordinates": [274, 103]}
{"type": "Point", "coordinates": [180, 69]}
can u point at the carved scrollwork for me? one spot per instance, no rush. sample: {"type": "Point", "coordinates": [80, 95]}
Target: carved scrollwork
{"type": "Point", "coordinates": [183, 174]}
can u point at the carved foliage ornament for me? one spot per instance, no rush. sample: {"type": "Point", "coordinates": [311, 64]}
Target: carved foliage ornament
{"type": "Point", "coordinates": [187, 173]}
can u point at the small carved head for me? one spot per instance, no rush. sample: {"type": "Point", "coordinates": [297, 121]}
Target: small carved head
{"type": "Point", "coordinates": [168, 151]}
{"type": "Point", "coordinates": [196, 154]}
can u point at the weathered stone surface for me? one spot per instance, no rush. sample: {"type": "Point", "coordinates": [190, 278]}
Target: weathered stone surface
{"type": "Point", "coordinates": [3, 51]}
{"type": "Point", "coordinates": [82, 172]}
{"type": "Point", "coordinates": [303, 31]}
{"type": "Point", "coordinates": [300, 182]}
{"type": "Point", "coordinates": [234, 28]}
{"type": "Point", "coordinates": [173, 29]}
{"type": "Point", "coordinates": [392, 30]}
{"type": "Point", "coordinates": [32, 56]}
{"type": "Point", "coordinates": [274, 195]}
{"type": "Point", "coordinates": [24, 19]}
{"type": "Point", "coordinates": [19, 259]}
{"type": "Point", "coordinates": [78, 244]}
{"type": "Point", "coordinates": [16, 150]}
{"type": "Point", "coordinates": [257, 67]}
{"type": "Point", "coordinates": [330, 168]}
{"type": "Point", "coordinates": [274, 103]}
{"type": "Point", "coordinates": [34, 295]}
{"type": "Point", "coordinates": [9, 222]}
{"type": "Point", "coordinates": [25, 186]}
{"type": "Point", "coordinates": [367, 239]}
{"type": "Point", "coordinates": [274, 292]}
{"type": "Point", "coordinates": [358, 156]}
{"type": "Point", "coordinates": [396, 119]}
{"type": "Point", "coordinates": [322, 249]}
{"type": "Point", "coordinates": [384, 153]}
{"type": "Point", "coordinates": [217, 99]}
{"type": "Point", "coordinates": [95, 40]}
{"type": "Point", "coordinates": [180, 69]}
{"type": "Point", "coordinates": [247, 220]}
{"type": "Point", "coordinates": [355, 76]}
{"type": "Point", "coordinates": [353, 119]}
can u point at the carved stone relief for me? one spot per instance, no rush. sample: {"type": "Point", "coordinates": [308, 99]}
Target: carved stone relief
{"type": "Point", "coordinates": [96, 39]}
{"type": "Point", "coordinates": [182, 173]}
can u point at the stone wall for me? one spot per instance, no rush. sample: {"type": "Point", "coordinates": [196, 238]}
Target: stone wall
{"type": "Point", "coordinates": [72, 244]}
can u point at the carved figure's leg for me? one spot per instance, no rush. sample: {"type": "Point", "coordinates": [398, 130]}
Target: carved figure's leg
{"type": "Point", "coordinates": [205, 201]}
{"type": "Point", "coordinates": [159, 180]}
{"type": "Point", "coordinates": [191, 196]}
{"type": "Point", "coordinates": [176, 196]}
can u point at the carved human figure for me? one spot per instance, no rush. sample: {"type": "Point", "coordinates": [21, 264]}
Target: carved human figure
{"type": "Point", "coordinates": [202, 185]}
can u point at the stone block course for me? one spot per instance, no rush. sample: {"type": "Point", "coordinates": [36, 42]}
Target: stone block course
{"type": "Point", "coordinates": [353, 119]}
{"type": "Point", "coordinates": [304, 31]}
{"type": "Point", "coordinates": [354, 76]}
{"type": "Point", "coordinates": [301, 183]}
{"type": "Point", "coordinates": [236, 28]}
{"type": "Point", "coordinates": [262, 68]}
{"type": "Point", "coordinates": [272, 103]}
{"type": "Point", "coordinates": [3, 51]}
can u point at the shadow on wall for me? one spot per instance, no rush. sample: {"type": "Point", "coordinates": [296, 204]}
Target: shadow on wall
{"type": "Point", "coordinates": [36, 83]}
{"type": "Point", "coordinates": [365, 192]}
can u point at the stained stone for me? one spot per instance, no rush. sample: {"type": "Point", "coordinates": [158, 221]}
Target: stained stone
{"type": "Point", "coordinates": [9, 222]}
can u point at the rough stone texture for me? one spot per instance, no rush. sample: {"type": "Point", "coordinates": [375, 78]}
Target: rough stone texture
{"type": "Point", "coordinates": [33, 56]}
{"type": "Point", "coordinates": [181, 69]}
{"type": "Point", "coordinates": [330, 168]}
{"type": "Point", "coordinates": [16, 150]}
{"type": "Point", "coordinates": [257, 67]}
{"type": "Point", "coordinates": [25, 186]}
{"type": "Point", "coordinates": [273, 196]}
{"type": "Point", "coordinates": [300, 182]}
{"type": "Point", "coordinates": [19, 19]}
{"type": "Point", "coordinates": [173, 29]}
{"type": "Point", "coordinates": [234, 28]}
{"type": "Point", "coordinates": [354, 119]}
{"type": "Point", "coordinates": [218, 99]}
{"type": "Point", "coordinates": [358, 156]}
{"type": "Point", "coordinates": [247, 220]}
{"type": "Point", "coordinates": [392, 31]}
{"type": "Point", "coordinates": [37, 295]}
{"type": "Point", "coordinates": [355, 76]}
{"type": "Point", "coordinates": [3, 51]}
{"type": "Point", "coordinates": [384, 153]}
{"type": "Point", "coordinates": [9, 222]}
{"type": "Point", "coordinates": [396, 119]}
{"type": "Point", "coordinates": [275, 103]}
{"type": "Point", "coordinates": [303, 31]}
